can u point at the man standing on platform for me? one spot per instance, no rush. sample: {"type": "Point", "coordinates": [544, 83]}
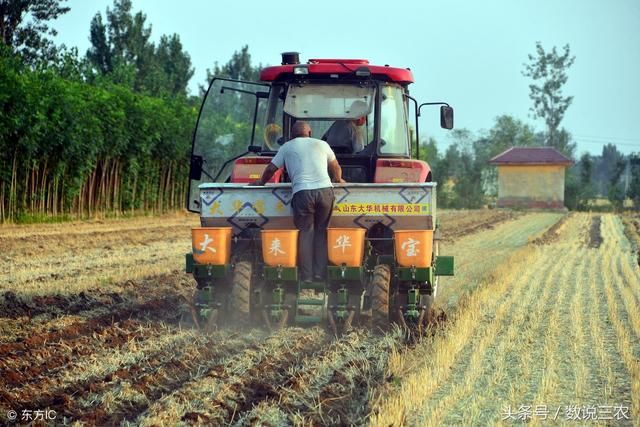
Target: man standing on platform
{"type": "Point", "coordinates": [312, 167]}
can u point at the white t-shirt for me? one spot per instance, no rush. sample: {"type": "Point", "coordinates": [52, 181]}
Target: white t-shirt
{"type": "Point", "coordinates": [306, 161]}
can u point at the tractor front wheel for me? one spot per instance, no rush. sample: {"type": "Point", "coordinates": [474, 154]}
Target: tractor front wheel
{"type": "Point", "coordinates": [240, 297]}
{"type": "Point", "coordinates": [379, 291]}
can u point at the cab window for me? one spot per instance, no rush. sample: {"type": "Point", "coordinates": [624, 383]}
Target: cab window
{"type": "Point", "coordinates": [394, 131]}
{"type": "Point", "coordinates": [272, 132]}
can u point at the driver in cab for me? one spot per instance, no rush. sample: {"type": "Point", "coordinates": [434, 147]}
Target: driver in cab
{"type": "Point", "coordinates": [348, 135]}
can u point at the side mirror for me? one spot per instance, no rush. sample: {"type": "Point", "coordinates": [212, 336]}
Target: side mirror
{"type": "Point", "coordinates": [446, 117]}
{"type": "Point", "coordinates": [195, 169]}
{"type": "Point", "coordinates": [254, 149]}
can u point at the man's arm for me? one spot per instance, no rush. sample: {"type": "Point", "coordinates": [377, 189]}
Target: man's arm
{"type": "Point", "coordinates": [266, 174]}
{"type": "Point", "coordinates": [335, 171]}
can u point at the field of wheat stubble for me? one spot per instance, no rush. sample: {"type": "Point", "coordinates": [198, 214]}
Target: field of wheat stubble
{"type": "Point", "coordinates": [541, 324]}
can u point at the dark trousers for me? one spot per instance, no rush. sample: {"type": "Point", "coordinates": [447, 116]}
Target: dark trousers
{"type": "Point", "coordinates": [311, 214]}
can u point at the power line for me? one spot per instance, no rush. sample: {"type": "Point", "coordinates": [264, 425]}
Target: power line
{"type": "Point", "coordinates": [592, 141]}
{"type": "Point", "coordinates": [607, 138]}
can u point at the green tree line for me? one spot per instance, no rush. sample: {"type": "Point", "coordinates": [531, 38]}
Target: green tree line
{"type": "Point", "coordinates": [69, 147]}
{"type": "Point", "coordinates": [107, 132]}
{"type": "Point", "coordinates": [104, 133]}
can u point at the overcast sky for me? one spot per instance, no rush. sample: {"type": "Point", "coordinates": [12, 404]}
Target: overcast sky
{"type": "Point", "coordinates": [467, 53]}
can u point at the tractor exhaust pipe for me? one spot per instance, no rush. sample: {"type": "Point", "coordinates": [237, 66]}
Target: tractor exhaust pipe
{"type": "Point", "coordinates": [290, 58]}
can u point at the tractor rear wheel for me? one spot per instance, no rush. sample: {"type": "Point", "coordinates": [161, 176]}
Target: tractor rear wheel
{"type": "Point", "coordinates": [380, 283]}
{"type": "Point", "coordinates": [240, 297]}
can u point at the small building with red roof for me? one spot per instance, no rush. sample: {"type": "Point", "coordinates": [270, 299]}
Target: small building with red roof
{"type": "Point", "coordinates": [531, 177]}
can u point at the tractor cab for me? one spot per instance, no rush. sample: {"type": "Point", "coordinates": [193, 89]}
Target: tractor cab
{"type": "Point", "coordinates": [361, 110]}
{"type": "Point", "coordinates": [362, 120]}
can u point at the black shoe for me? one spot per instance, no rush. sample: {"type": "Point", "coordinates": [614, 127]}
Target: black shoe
{"type": "Point", "coordinates": [306, 280]}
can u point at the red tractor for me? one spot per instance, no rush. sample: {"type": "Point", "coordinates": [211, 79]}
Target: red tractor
{"type": "Point", "coordinates": [383, 249]}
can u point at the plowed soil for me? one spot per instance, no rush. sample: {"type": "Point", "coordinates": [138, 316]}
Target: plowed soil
{"type": "Point", "coordinates": [95, 325]}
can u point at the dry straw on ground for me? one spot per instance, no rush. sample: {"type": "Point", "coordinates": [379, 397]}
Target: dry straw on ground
{"type": "Point", "coordinates": [556, 326]}
{"type": "Point", "coordinates": [92, 327]}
